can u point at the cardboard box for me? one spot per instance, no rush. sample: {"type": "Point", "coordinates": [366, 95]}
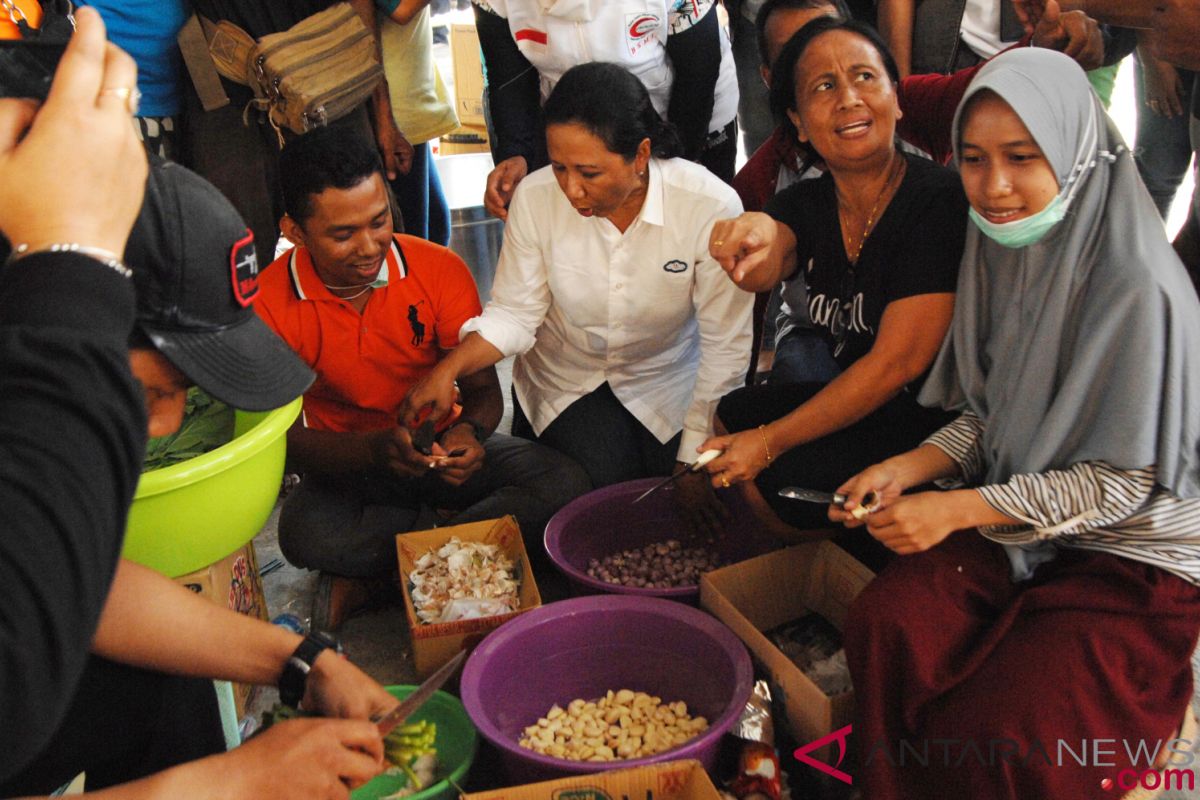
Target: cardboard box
{"type": "Point", "coordinates": [464, 139]}
{"type": "Point", "coordinates": [768, 591]}
{"type": "Point", "coordinates": [671, 780]}
{"type": "Point", "coordinates": [232, 582]}
{"type": "Point", "coordinates": [435, 644]}
{"type": "Point", "coordinates": [468, 74]}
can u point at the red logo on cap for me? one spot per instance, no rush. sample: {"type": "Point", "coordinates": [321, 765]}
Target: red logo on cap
{"type": "Point", "coordinates": [243, 267]}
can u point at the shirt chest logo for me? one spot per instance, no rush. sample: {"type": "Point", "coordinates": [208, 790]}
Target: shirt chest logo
{"type": "Point", "coordinates": [675, 265]}
{"type": "Point", "coordinates": [639, 30]}
{"type": "Point", "coordinates": [414, 322]}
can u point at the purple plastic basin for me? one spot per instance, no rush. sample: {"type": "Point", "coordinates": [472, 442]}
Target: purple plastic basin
{"type": "Point", "coordinates": [605, 522]}
{"type": "Point", "coordinates": [581, 648]}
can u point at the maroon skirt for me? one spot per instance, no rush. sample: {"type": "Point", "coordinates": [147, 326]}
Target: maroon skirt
{"type": "Point", "coordinates": [971, 686]}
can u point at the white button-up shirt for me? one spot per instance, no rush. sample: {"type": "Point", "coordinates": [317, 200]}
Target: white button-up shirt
{"type": "Point", "coordinates": [648, 311]}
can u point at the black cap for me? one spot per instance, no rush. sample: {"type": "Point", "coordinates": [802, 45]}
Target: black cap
{"type": "Point", "coordinates": [196, 275]}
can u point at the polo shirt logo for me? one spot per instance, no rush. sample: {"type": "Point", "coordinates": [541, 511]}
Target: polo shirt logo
{"type": "Point", "coordinates": [418, 327]}
{"type": "Point", "coordinates": [675, 265]}
{"type": "Point", "coordinates": [243, 270]}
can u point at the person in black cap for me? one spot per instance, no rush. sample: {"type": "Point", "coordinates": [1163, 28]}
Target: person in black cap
{"type": "Point", "coordinates": [99, 657]}
{"type": "Point", "coordinates": [195, 271]}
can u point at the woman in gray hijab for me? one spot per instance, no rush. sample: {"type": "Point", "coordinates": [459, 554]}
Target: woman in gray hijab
{"type": "Point", "coordinates": [1055, 597]}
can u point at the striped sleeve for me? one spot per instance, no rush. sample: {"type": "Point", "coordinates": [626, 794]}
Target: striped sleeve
{"type": "Point", "coordinates": [962, 441]}
{"type": "Point", "coordinates": [1066, 502]}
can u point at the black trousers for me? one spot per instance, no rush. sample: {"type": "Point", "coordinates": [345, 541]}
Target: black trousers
{"type": "Point", "coordinates": [826, 463]}
{"type": "Point", "coordinates": [600, 434]}
{"type": "Point", "coordinates": [125, 723]}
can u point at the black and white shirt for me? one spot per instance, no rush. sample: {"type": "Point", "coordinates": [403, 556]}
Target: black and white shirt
{"type": "Point", "coordinates": [1090, 505]}
{"type": "Point", "coordinates": [915, 248]}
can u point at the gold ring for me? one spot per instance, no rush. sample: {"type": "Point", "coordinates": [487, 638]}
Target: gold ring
{"type": "Point", "coordinates": [725, 481]}
{"type": "Point", "coordinates": [130, 94]}
{"type": "Point", "coordinates": [718, 242]}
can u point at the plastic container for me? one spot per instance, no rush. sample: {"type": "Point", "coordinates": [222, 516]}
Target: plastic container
{"type": "Point", "coordinates": [189, 515]}
{"type": "Point", "coordinates": [605, 522]}
{"type": "Point", "coordinates": [456, 743]}
{"type": "Point", "coordinates": [581, 648]}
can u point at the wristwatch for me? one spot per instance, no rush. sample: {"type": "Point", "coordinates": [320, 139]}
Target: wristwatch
{"type": "Point", "coordinates": [295, 670]}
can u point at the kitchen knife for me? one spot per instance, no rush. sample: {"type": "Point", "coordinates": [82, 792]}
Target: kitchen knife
{"type": "Point", "coordinates": [870, 501]}
{"type": "Point", "coordinates": [397, 715]}
{"type": "Point", "coordinates": [705, 457]}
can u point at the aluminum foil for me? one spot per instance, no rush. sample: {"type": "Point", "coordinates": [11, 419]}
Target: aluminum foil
{"type": "Point", "coordinates": [755, 724]}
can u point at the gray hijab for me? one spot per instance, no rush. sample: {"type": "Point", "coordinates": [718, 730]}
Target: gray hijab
{"type": "Point", "coordinates": [1086, 345]}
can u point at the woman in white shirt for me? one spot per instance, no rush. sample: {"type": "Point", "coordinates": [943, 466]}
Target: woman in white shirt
{"type": "Point", "coordinates": [626, 331]}
{"type": "Point", "coordinates": [676, 48]}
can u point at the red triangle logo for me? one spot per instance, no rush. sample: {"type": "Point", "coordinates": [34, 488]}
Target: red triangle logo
{"type": "Point", "coordinates": [839, 736]}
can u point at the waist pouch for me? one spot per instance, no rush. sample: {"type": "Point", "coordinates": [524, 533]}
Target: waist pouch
{"type": "Point", "coordinates": [316, 71]}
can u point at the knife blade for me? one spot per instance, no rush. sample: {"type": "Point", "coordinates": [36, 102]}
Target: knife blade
{"type": "Point", "coordinates": [397, 715]}
{"type": "Point", "coordinates": [705, 457]}
{"type": "Point", "coordinates": [869, 504]}
{"type": "Point", "coordinates": [812, 495]}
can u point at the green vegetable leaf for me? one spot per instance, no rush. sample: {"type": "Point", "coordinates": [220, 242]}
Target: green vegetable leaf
{"type": "Point", "coordinates": [207, 424]}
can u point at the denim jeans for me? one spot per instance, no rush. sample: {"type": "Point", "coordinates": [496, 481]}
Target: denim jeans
{"type": "Point", "coordinates": [802, 356]}
{"type": "Point", "coordinates": [421, 200]}
{"type": "Point", "coordinates": [1163, 147]}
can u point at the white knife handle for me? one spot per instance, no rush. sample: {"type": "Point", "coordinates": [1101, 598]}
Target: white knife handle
{"type": "Point", "coordinates": [705, 457]}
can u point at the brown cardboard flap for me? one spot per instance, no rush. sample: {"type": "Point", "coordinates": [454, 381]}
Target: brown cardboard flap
{"type": "Point", "coordinates": [764, 592]}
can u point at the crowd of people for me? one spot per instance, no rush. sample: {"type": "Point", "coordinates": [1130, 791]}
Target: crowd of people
{"type": "Point", "coordinates": [985, 342]}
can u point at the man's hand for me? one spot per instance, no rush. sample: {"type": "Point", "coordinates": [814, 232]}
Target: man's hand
{"type": "Point", "coordinates": [1176, 26]}
{"type": "Point", "coordinates": [79, 151]}
{"type": "Point", "coordinates": [392, 450]}
{"type": "Point", "coordinates": [307, 757]}
{"type": "Point", "coordinates": [455, 470]}
{"type": "Point", "coordinates": [501, 183]}
{"type": "Point", "coordinates": [337, 688]}
{"type": "Point", "coordinates": [1030, 12]}
{"type": "Point", "coordinates": [397, 153]}
{"type": "Point", "coordinates": [1072, 33]}
{"type": "Point", "coordinates": [1163, 87]}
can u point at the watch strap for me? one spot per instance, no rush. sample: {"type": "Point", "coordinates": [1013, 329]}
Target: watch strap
{"type": "Point", "coordinates": [294, 677]}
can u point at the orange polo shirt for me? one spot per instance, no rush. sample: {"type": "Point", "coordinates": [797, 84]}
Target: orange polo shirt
{"type": "Point", "coordinates": [366, 363]}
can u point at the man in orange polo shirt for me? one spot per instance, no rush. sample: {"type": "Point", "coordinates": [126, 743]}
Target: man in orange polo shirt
{"type": "Point", "coordinates": [371, 312]}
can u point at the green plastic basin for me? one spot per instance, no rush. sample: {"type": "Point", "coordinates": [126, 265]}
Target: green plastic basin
{"type": "Point", "coordinates": [456, 742]}
{"type": "Point", "coordinates": [189, 515]}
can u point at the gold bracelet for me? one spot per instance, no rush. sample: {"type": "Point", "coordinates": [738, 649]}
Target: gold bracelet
{"type": "Point", "coordinates": [766, 447]}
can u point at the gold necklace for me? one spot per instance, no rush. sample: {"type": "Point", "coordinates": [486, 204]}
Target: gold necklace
{"type": "Point", "coordinates": [899, 163]}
